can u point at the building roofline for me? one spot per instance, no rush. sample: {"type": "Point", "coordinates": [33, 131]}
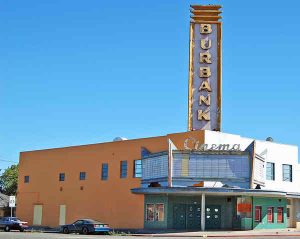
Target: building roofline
{"type": "Point", "coordinates": [107, 142]}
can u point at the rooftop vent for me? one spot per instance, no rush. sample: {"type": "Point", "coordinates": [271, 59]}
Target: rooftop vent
{"type": "Point", "coordinates": [119, 139]}
{"type": "Point", "coordinates": [270, 139]}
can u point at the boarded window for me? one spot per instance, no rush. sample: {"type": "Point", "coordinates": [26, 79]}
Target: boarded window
{"type": "Point", "coordinates": [258, 213]}
{"type": "Point", "coordinates": [270, 215]}
{"type": "Point", "coordinates": [280, 214]}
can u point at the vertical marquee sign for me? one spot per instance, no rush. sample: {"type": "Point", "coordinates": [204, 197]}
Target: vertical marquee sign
{"type": "Point", "coordinates": [205, 68]}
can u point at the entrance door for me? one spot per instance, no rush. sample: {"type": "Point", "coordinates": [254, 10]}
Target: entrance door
{"type": "Point", "coordinates": [179, 216]}
{"type": "Point", "coordinates": [213, 217]}
{"type": "Point", "coordinates": [289, 215]}
{"type": "Point", "coordinates": [187, 216]}
{"type": "Point", "coordinates": [37, 214]}
{"type": "Point", "coordinates": [193, 216]}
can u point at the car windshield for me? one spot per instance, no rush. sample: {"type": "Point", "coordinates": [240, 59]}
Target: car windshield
{"type": "Point", "coordinates": [92, 221]}
{"type": "Point", "coordinates": [15, 219]}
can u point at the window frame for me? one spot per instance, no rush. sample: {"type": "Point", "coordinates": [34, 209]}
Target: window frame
{"type": "Point", "coordinates": [60, 178]}
{"type": "Point", "coordinates": [271, 219]}
{"type": "Point", "coordinates": [259, 210]}
{"type": "Point", "coordinates": [147, 212]}
{"type": "Point", "coordinates": [26, 179]}
{"type": "Point", "coordinates": [290, 178]}
{"type": "Point", "coordinates": [135, 175]}
{"type": "Point", "coordinates": [157, 214]}
{"type": "Point", "coordinates": [81, 177]}
{"type": "Point", "coordinates": [104, 174]}
{"type": "Point", "coordinates": [155, 217]}
{"type": "Point", "coordinates": [272, 168]}
{"type": "Point", "coordinates": [123, 169]}
{"type": "Point", "coordinates": [282, 214]}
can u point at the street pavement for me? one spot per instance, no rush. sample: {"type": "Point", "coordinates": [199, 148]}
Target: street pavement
{"type": "Point", "coordinates": [37, 235]}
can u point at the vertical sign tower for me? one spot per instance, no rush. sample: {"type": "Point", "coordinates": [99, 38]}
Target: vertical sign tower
{"type": "Point", "coordinates": [204, 104]}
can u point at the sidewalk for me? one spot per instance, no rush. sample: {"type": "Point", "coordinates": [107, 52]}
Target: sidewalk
{"type": "Point", "coordinates": [251, 233]}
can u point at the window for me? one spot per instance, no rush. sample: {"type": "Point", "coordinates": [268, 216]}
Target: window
{"type": "Point", "coordinates": [270, 171]}
{"type": "Point", "coordinates": [288, 212]}
{"type": "Point", "coordinates": [155, 212]}
{"type": "Point", "coordinates": [62, 177]}
{"type": "Point", "coordinates": [78, 223]}
{"type": "Point", "coordinates": [287, 173]}
{"type": "Point", "coordinates": [270, 214]}
{"type": "Point", "coordinates": [137, 169]}
{"type": "Point", "coordinates": [26, 179]}
{"type": "Point", "coordinates": [159, 212]}
{"type": "Point", "coordinates": [123, 169]}
{"type": "Point", "coordinates": [258, 213]}
{"type": "Point", "coordinates": [280, 215]}
{"type": "Point", "coordinates": [104, 173]}
{"type": "Point", "coordinates": [150, 212]}
{"type": "Point", "coordinates": [82, 176]}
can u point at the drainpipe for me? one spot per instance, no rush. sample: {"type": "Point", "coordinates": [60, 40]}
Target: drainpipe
{"type": "Point", "coordinates": [203, 212]}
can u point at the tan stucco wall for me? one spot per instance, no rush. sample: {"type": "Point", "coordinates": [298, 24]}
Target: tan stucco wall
{"type": "Point", "coordinates": [109, 201]}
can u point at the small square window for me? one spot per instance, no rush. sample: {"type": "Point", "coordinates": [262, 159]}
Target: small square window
{"type": "Point", "coordinates": [82, 176]}
{"type": "Point", "coordinates": [287, 173]}
{"type": "Point", "coordinates": [104, 174]}
{"type": "Point", "coordinates": [270, 171]}
{"type": "Point", "coordinates": [26, 179]}
{"type": "Point", "coordinates": [137, 169]}
{"type": "Point", "coordinates": [62, 177]}
{"type": "Point", "coordinates": [123, 169]}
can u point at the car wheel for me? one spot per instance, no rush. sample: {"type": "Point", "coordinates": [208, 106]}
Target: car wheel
{"type": "Point", "coordinates": [85, 231]}
{"type": "Point", "coordinates": [7, 228]}
{"type": "Point", "coordinates": [65, 230]}
{"type": "Point", "coordinates": [22, 230]}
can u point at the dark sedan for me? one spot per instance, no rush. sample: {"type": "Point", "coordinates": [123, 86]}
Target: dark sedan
{"type": "Point", "coordinates": [86, 226]}
{"type": "Point", "coordinates": [12, 223]}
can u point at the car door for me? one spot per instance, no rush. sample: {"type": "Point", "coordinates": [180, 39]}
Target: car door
{"type": "Point", "coordinates": [2, 222]}
{"type": "Point", "coordinates": [78, 225]}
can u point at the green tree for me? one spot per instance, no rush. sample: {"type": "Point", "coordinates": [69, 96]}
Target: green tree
{"type": "Point", "coordinates": [9, 180]}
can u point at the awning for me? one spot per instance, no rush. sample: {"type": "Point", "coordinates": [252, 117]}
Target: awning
{"type": "Point", "coordinates": [193, 191]}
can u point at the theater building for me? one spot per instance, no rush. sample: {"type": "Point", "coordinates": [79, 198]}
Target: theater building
{"type": "Point", "coordinates": [162, 182]}
{"type": "Point", "coordinates": [201, 179]}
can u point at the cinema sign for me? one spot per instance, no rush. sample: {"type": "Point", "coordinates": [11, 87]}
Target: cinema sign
{"type": "Point", "coordinates": [193, 144]}
{"type": "Point", "coordinates": [205, 69]}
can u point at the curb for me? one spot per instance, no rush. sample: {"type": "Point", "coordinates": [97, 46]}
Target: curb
{"type": "Point", "coordinates": [228, 236]}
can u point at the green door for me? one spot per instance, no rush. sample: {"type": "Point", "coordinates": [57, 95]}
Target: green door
{"type": "Point", "coordinates": [213, 217]}
{"type": "Point", "coordinates": [179, 216]}
{"type": "Point", "coordinates": [187, 216]}
{"type": "Point", "coordinates": [193, 216]}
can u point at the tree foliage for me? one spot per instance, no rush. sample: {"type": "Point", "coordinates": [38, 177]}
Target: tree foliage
{"type": "Point", "coordinates": [9, 180]}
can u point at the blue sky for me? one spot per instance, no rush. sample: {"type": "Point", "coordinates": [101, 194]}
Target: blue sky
{"type": "Point", "coordinates": [81, 72]}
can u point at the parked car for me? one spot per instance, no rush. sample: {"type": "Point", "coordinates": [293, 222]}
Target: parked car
{"type": "Point", "coordinates": [86, 226]}
{"type": "Point", "coordinates": [12, 223]}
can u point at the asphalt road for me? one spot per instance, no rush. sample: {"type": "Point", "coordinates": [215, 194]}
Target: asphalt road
{"type": "Point", "coordinates": [34, 235]}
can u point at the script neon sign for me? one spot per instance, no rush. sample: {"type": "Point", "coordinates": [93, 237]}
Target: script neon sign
{"type": "Point", "coordinates": [193, 144]}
